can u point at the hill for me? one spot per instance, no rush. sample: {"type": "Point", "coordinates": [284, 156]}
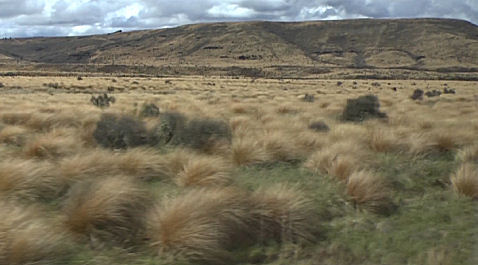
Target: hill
{"type": "Point", "coordinates": [416, 44]}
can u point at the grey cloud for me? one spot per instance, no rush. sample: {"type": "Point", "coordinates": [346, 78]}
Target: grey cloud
{"type": "Point", "coordinates": [10, 9]}
{"type": "Point", "coordinates": [29, 18]}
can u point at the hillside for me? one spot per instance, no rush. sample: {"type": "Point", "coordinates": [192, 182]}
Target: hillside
{"type": "Point", "coordinates": [417, 44]}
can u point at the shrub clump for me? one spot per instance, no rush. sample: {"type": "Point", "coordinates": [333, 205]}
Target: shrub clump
{"type": "Point", "coordinates": [149, 110]}
{"type": "Point", "coordinates": [102, 101]}
{"type": "Point", "coordinates": [319, 126]}
{"type": "Point", "coordinates": [362, 108]}
{"type": "Point", "coordinates": [174, 129]}
{"type": "Point", "coordinates": [120, 132]}
{"type": "Point", "coordinates": [417, 94]}
{"type": "Point", "coordinates": [169, 127]}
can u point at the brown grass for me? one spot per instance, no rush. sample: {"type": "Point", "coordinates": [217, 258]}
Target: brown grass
{"type": "Point", "coordinates": [204, 171]}
{"type": "Point", "coordinates": [338, 160]}
{"type": "Point", "coordinates": [367, 189]}
{"type": "Point", "coordinates": [52, 145]}
{"type": "Point", "coordinates": [109, 208]}
{"type": "Point", "coordinates": [201, 225]}
{"type": "Point", "coordinates": [284, 214]}
{"type": "Point", "coordinates": [14, 135]}
{"type": "Point", "coordinates": [465, 180]}
{"type": "Point", "coordinates": [141, 163]}
{"type": "Point", "coordinates": [27, 239]}
{"type": "Point", "coordinates": [246, 151]}
{"type": "Point", "coordinates": [29, 180]}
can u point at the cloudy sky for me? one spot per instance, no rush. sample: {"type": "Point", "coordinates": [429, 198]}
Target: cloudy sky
{"type": "Point", "coordinates": [25, 18]}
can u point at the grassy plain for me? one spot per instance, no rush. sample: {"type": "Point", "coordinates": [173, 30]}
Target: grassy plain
{"type": "Point", "coordinates": [396, 191]}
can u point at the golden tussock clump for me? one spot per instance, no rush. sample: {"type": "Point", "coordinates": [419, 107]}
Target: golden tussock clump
{"type": "Point", "coordinates": [142, 163]}
{"type": "Point", "coordinates": [15, 118]}
{"type": "Point", "coordinates": [279, 147]}
{"type": "Point", "coordinates": [309, 141]}
{"type": "Point", "coordinates": [465, 180]}
{"type": "Point", "coordinates": [283, 214]}
{"type": "Point", "coordinates": [201, 225]}
{"type": "Point", "coordinates": [365, 188]}
{"type": "Point", "coordinates": [27, 239]}
{"type": "Point", "coordinates": [109, 208]}
{"type": "Point", "coordinates": [247, 151]}
{"type": "Point", "coordinates": [29, 180]}
{"type": "Point", "coordinates": [174, 162]}
{"type": "Point", "coordinates": [468, 154]}
{"type": "Point", "coordinates": [54, 144]}
{"type": "Point", "coordinates": [383, 140]}
{"type": "Point", "coordinates": [14, 135]}
{"type": "Point", "coordinates": [204, 171]}
{"type": "Point", "coordinates": [338, 160]}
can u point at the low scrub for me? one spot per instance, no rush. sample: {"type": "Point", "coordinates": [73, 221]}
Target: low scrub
{"type": "Point", "coordinates": [362, 108]}
{"type": "Point", "coordinates": [200, 134]}
{"type": "Point", "coordinates": [120, 132]}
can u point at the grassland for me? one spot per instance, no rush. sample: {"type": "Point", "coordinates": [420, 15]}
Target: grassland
{"type": "Point", "coordinates": [400, 190]}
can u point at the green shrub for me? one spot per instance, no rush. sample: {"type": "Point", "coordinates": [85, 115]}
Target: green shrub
{"type": "Point", "coordinates": [362, 108]}
{"type": "Point", "coordinates": [319, 126]}
{"type": "Point", "coordinates": [171, 123]}
{"type": "Point", "coordinates": [174, 129]}
{"type": "Point", "coordinates": [120, 132]}
{"type": "Point", "coordinates": [199, 133]}
{"type": "Point", "coordinates": [149, 110]}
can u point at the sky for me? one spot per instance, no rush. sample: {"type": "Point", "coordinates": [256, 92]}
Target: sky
{"type": "Point", "coordinates": [30, 18]}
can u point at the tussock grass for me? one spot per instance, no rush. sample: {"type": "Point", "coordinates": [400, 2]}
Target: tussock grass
{"type": "Point", "coordinates": [337, 160]}
{"type": "Point", "coordinates": [204, 171]}
{"type": "Point", "coordinates": [52, 145]}
{"type": "Point", "coordinates": [366, 188]}
{"type": "Point", "coordinates": [468, 154]}
{"type": "Point", "coordinates": [50, 160]}
{"type": "Point", "coordinates": [284, 214]}
{"type": "Point", "coordinates": [25, 238]}
{"type": "Point", "coordinates": [247, 151]}
{"type": "Point", "coordinates": [201, 225]}
{"type": "Point", "coordinates": [14, 135]}
{"type": "Point", "coordinates": [106, 209]}
{"type": "Point", "coordinates": [279, 147]}
{"type": "Point", "coordinates": [29, 180]}
{"type": "Point", "coordinates": [465, 180]}
{"type": "Point", "coordinates": [142, 163]}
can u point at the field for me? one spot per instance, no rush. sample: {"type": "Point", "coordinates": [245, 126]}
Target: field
{"type": "Point", "coordinates": [236, 171]}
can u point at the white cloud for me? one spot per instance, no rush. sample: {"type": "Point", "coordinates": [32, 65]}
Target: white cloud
{"type": "Point", "coordinates": [72, 17]}
{"type": "Point", "coordinates": [230, 10]}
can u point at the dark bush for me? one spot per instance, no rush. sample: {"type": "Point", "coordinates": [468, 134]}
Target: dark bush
{"type": "Point", "coordinates": [102, 101]}
{"type": "Point", "coordinates": [149, 110]}
{"type": "Point", "coordinates": [79, 78]}
{"type": "Point", "coordinates": [120, 132]}
{"type": "Point", "coordinates": [308, 98]}
{"type": "Point", "coordinates": [169, 127]}
{"type": "Point", "coordinates": [362, 108]}
{"type": "Point", "coordinates": [449, 91]}
{"type": "Point", "coordinates": [417, 94]}
{"type": "Point", "coordinates": [319, 126]}
{"type": "Point", "coordinates": [2, 85]}
{"type": "Point", "coordinates": [433, 93]}
{"type": "Point", "coordinates": [174, 129]}
{"type": "Point", "coordinates": [199, 133]}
